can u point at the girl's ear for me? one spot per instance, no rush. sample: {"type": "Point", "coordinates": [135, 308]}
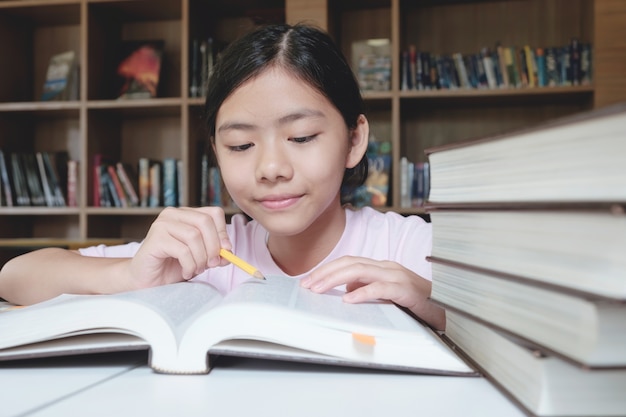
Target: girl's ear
{"type": "Point", "coordinates": [359, 137]}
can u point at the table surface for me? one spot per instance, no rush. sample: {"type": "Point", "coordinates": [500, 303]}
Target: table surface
{"type": "Point", "coordinates": [121, 384]}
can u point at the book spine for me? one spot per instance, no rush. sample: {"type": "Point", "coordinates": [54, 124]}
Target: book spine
{"type": "Point", "coordinates": [33, 179]}
{"type": "Point", "coordinates": [194, 88]}
{"type": "Point", "coordinates": [72, 183]}
{"type": "Point", "coordinates": [127, 184]}
{"type": "Point", "coordinates": [552, 68]}
{"type": "Point", "coordinates": [585, 64]}
{"type": "Point", "coordinates": [575, 67]}
{"type": "Point", "coordinates": [155, 184]}
{"type": "Point", "coordinates": [19, 181]}
{"type": "Point", "coordinates": [144, 182]}
{"type": "Point", "coordinates": [215, 190]}
{"type": "Point", "coordinates": [5, 182]}
{"type": "Point", "coordinates": [506, 83]}
{"type": "Point", "coordinates": [540, 63]}
{"type": "Point", "coordinates": [530, 66]}
{"type": "Point", "coordinates": [170, 192]}
{"type": "Point", "coordinates": [180, 169]}
{"type": "Point", "coordinates": [55, 174]}
{"type": "Point", "coordinates": [45, 182]}
{"type": "Point", "coordinates": [120, 201]}
{"type": "Point", "coordinates": [111, 190]}
{"type": "Point", "coordinates": [459, 64]}
{"type": "Point", "coordinates": [564, 66]}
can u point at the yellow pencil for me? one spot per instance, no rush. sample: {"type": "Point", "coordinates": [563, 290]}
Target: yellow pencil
{"type": "Point", "coordinates": [237, 261]}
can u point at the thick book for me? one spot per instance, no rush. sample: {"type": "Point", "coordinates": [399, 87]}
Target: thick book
{"type": "Point", "coordinates": [576, 158]}
{"type": "Point", "coordinates": [564, 247]}
{"type": "Point", "coordinates": [587, 331]}
{"type": "Point", "coordinates": [541, 384]}
{"type": "Point", "coordinates": [183, 323]}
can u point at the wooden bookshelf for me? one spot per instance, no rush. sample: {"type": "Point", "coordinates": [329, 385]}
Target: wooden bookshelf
{"type": "Point", "coordinates": [170, 125]}
{"type": "Point", "coordinates": [167, 126]}
{"type": "Point", "coordinates": [415, 120]}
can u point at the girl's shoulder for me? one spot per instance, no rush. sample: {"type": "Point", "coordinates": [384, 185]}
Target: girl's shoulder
{"type": "Point", "coordinates": [370, 217]}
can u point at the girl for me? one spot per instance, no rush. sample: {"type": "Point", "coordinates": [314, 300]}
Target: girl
{"type": "Point", "coordinates": [287, 124]}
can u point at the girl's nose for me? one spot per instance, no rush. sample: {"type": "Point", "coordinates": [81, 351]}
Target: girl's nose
{"type": "Point", "coordinates": [273, 163]}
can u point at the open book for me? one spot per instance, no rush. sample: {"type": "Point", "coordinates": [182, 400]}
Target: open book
{"type": "Point", "coordinates": [182, 323]}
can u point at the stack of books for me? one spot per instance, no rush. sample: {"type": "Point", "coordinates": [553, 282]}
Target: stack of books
{"type": "Point", "coordinates": [529, 237]}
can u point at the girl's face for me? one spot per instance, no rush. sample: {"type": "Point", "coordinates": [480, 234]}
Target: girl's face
{"type": "Point", "coordinates": [282, 149]}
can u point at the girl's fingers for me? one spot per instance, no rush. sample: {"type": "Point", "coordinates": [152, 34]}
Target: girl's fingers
{"type": "Point", "coordinates": [348, 270]}
{"type": "Point", "coordinates": [202, 229]}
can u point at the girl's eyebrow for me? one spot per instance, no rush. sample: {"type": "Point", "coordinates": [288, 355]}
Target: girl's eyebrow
{"type": "Point", "coordinates": [288, 118]}
{"type": "Point", "coordinates": [300, 114]}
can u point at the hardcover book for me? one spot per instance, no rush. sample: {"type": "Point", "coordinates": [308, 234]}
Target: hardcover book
{"type": "Point", "coordinates": [587, 330]}
{"type": "Point", "coordinates": [182, 324]}
{"type": "Point", "coordinates": [579, 249]}
{"type": "Point", "coordinates": [575, 158]}
{"type": "Point", "coordinates": [541, 384]}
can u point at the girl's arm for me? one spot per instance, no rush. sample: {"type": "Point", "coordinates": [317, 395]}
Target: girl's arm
{"type": "Point", "coordinates": [46, 273]}
{"type": "Point", "coordinates": [181, 243]}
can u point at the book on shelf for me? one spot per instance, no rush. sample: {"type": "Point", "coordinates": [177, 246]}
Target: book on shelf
{"type": "Point", "coordinates": [582, 328]}
{"type": "Point", "coordinates": [375, 190]}
{"type": "Point", "coordinates": [33, 179]}
{"type": "Point", "coordinates": [61, 78]}
{"type": "Point", "coordinates": [143, 175]}
{"type": "Point", "coordinates": [72, 182]}
{"type": "Point", "coordinates": [101, 194]}
{"type": "Point", "coordinates": [5, 181]}
{"type": "Point", "coordinates": [203, 55]}
{"type": "Point", "coordinates": [51, 178]}
{"type": "Point", "coordinates": [18, 181]}
{"type": "Point", "coordinates": [502, 66]}
{"type": "Point", "coordinates": [568, 247]}
{"type": "Point", "coordinates": [115, 186]}
{"type": "Point", "coordinates": [180, 182]}
{"type": "Point", "coordinates": [371, 61]}
{"type": "Point", "coordinates": [414, 183]}
{"type": "Point", "coordinates": [45, 181]}
{"type": "Point", "coordinates": [539, 383]}
{"type": "Point", "coordinates": [139, 69]}
{"type": "Point", "coordinates": [155, 170]}
{"type": "Point", "coordinates": [170, 182]}
{"type": "Point", "coordinates": [127, 180]}
{"type": "Point", "coordinates": [580, 157]}
{"type": "Point", "coordinates": [183, 324]}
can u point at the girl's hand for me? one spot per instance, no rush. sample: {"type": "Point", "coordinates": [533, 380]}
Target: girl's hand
{"type": "Point", "coordinates": [181, 243]}
{"type": "Point", "coordinates": [368, 279]}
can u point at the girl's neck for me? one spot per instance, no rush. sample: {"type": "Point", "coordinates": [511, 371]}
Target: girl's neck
{"type": "Point", "coordinates": [298, 254]}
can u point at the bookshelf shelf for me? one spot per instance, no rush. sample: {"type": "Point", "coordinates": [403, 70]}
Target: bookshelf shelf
{"type": "Point", "coordinates": [583, 90]}
{"type": "Point", "coordinates": [171, 125]}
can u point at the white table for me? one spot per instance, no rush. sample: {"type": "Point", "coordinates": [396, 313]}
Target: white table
{"type": "Point", "coordinates": [121, 384]}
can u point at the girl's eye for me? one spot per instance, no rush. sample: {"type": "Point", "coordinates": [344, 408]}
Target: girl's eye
{"type": "Point", "coordinates": [303, 139]}
{"type": "Point", "coordinates": [240, 148]}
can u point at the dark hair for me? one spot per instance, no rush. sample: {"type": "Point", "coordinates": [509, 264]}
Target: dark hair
{"type": "Point", "coordinates": [310, 54]}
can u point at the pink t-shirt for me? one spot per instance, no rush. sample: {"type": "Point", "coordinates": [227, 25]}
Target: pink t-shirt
{"type": "Point", "coordinates": [368, 233]}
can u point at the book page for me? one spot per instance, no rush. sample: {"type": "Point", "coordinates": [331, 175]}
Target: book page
{"type": "Point", "coordinates": [179, 304]}
{"type": "Point", "coordinates": [149, 313]}
{"type": "Point", "coordinates": [284, 291]}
